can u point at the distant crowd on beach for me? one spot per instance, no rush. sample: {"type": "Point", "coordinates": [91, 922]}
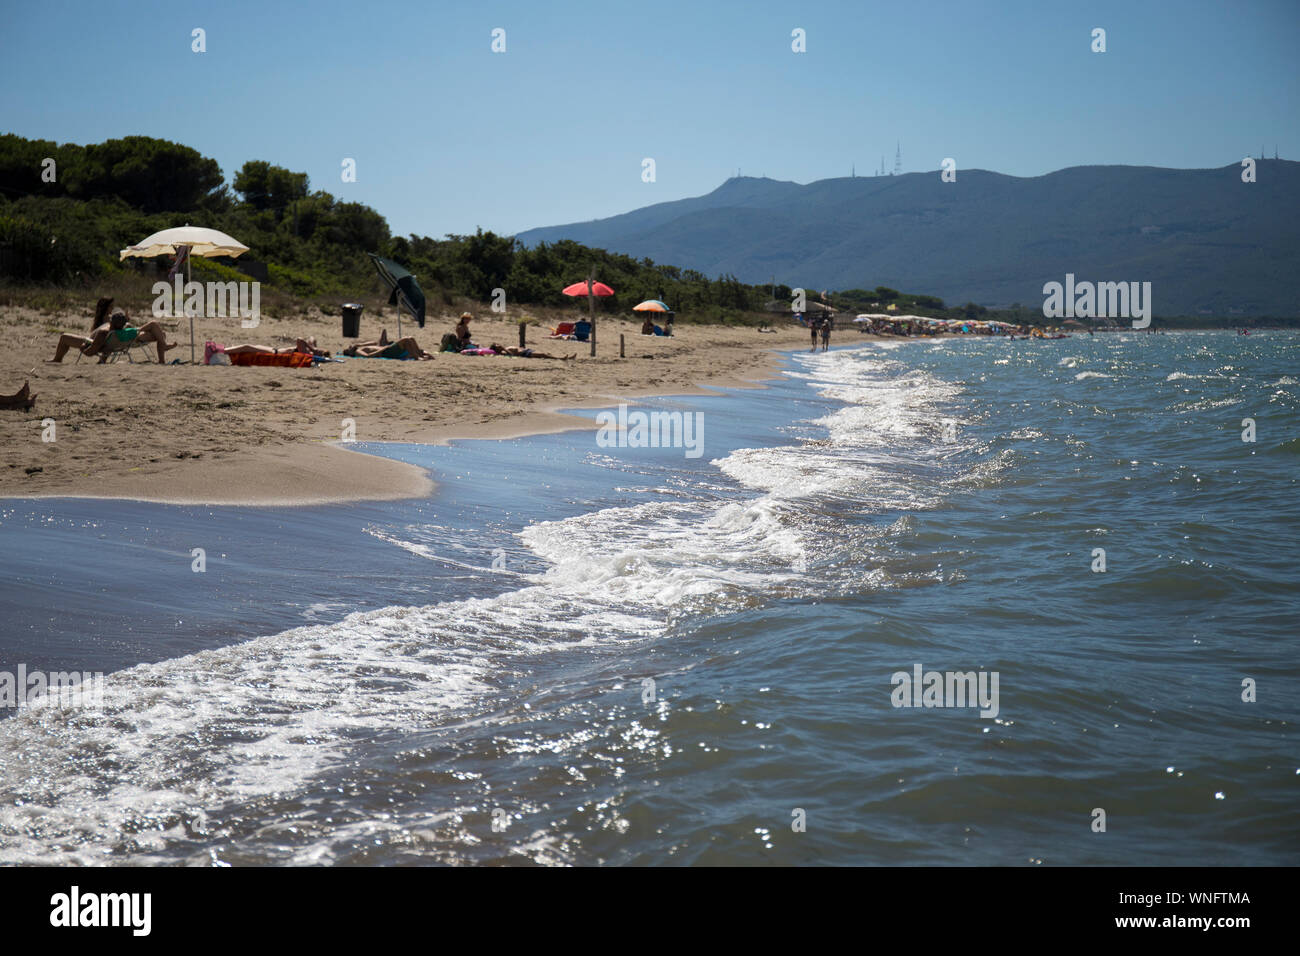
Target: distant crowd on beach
{"type": "Point", "coordinates": [909, 325]}
{"type": "Point", "coordinates": [112, 335]}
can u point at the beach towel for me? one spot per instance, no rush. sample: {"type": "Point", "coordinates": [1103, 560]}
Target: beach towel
{"type": "Point", "coordinates": [281, 359]}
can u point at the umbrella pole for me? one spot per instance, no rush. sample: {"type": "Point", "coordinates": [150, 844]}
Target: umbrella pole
{"type": "Point", "coordinates": [591, 313]}
{"type": "Point", "coordinates": [402, 302]}
{"type": "Point", "coordinates": [187, 282]}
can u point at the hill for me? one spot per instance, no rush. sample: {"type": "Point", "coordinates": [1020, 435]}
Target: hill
{"type": "Point", "coordinates": [1207, 242]}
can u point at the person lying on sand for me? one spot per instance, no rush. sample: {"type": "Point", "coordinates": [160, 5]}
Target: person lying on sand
{"type": "Point", "coordinates": [151, 331]}
{"type": "Point", "coordinates": [517, 352]}
{"type": "Point", "coordinates": [307, 345]}
{"type": "Point", "coordinates": [406, 348]}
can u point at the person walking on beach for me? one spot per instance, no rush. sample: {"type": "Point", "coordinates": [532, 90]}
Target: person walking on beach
{"type": "Point", "coordinates": [812, 326]}
{"type": "Point", "coordinates": [828, 323]}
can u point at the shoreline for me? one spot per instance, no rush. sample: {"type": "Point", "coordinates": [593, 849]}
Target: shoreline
{"type": "Point", "coordinates": [280, 452]}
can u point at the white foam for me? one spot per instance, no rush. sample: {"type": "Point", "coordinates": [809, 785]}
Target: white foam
{"type": "Point", "coordinates": [179, 740]}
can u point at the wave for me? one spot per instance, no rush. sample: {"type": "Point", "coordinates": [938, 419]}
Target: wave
{"type": "Point", "coordinates": [180, 742]}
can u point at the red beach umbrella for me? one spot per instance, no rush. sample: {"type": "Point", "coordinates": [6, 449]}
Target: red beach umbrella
{"type": "Point", "coordinates": [590, 288]}
{"type": "Point", "coordinates": [580, 288]}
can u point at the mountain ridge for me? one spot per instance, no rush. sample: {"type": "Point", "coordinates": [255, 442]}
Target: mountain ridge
{"type": "Point", "coordinates": [1206, 240]}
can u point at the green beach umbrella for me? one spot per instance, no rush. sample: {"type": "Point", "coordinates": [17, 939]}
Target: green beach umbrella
{"type": "Point", "coordinates": [405, 290]}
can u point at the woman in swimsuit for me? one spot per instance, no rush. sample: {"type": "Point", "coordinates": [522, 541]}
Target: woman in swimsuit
{"type": "Point", "coordinates": [117, 325]}
{"type": "Point", "coordinates": [401, 349]}
{"type": "Point", "coordinates": [517, 352]}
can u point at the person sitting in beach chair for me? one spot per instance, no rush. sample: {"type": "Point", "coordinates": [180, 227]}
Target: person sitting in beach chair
{"type": "Point", "coordinates": [582, 331]}
{"type": "Point", "coordinates": [103, 308]}
{"type": "Point", "coordinates": [114, 338]}
{"type": "Point", "coordinates": [563, 331]}
{"type": "Point", "coordinates": [649, 328]}
{"type": "Point", "coordinates": [404, 348]}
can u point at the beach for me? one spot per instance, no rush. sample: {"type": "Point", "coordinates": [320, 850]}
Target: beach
{"type": "Point", "coordinates": [271, 436]}
{"type": "Point", "coordinates": [576, 653]}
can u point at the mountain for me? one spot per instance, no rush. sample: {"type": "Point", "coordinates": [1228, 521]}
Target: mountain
{"type": "Point", "coordinates": [1207, 241]}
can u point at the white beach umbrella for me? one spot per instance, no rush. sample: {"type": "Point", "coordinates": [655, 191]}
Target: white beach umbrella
{"type": "Point", "coordinates": [201, 242]}
{"type": "Point", "coordinates": [208, 243]}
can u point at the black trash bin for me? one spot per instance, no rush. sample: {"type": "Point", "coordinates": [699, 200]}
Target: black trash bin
{"type": "Point", "coordinates": [351, 320]}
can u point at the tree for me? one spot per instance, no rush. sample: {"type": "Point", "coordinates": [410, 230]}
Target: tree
{"type": "Point", "coordinates": [267, 187]}
{"type": "Point", "coordinates": [154, 175]}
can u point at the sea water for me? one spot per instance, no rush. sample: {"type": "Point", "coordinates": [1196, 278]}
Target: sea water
{"type": "Point", "coordinates": [575, 653]}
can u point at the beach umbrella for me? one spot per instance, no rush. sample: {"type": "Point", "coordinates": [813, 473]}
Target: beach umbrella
{"type": "Point", "coordinates": [590, 288]}
{"type": "Point", "coordinates": [404, 290]}
{"type": "Point", "coordinates": [580, 288]}
{"type": "Point", "coordinates": [183, 242]}
{"type": "Point", "coordinates": [651, 305]}
{"type": "Point", "coordinates": [200, 241]}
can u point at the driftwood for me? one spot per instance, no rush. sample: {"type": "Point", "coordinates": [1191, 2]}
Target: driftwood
{"type": "Point", "coordinates": [21, 399]}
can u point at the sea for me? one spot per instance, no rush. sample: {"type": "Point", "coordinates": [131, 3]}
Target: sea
{"type": "Point", "coordinates": [965, 601]}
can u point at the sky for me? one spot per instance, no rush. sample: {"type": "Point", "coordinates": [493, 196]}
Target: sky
{"type": "Point", "coordinates": [449, 136]}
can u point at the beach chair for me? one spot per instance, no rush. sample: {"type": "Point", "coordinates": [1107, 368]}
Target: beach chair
{"type": "Point", "coordinates": [563, 331]}
{"type": "Point", "coordinates": [118, 344]}
{"type": "Point", "coordinates": [582, 331]}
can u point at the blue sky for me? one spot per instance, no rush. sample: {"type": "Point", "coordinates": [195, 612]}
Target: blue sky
{"type": "Point", "coordinates": [448, 135]}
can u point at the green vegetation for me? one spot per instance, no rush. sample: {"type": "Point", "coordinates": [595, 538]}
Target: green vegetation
{"type": "Point", "coordinates": [302, 244]}
{"type": "Point", "coordinates": [63, 236]}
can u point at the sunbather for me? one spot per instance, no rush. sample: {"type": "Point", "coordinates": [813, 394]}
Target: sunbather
{"type": "Point", "coordinates": [307, 345]}
{"type": "Point", "coordinates": [406, 348]}
{"type": "Point", "coordinates": [118, 326]}
{"type": "Point", "coordinates": [517, 352]}
{"type": "Point", "coordinates": [462, 330]}
{"type": "Point", "coordinates": [103, 308]}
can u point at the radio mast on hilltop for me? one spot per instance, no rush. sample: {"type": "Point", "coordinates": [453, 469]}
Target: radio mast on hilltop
{"type": "Point", "coordinates": [898, 160]}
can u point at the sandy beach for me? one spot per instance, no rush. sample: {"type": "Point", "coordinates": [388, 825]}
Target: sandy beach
{"type": "Point", "coordinates": [195, 434]}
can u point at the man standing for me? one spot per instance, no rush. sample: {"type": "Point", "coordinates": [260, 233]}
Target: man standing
{"type": "Point", "coordinates": [827, 323]}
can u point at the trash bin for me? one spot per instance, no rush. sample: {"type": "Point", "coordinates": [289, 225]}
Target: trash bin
{"type": "Point", "coordinates": [351, 320]}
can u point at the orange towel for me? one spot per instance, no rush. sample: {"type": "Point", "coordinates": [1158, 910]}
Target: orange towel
{"type": "Point", "coordinates": [284, 359]}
